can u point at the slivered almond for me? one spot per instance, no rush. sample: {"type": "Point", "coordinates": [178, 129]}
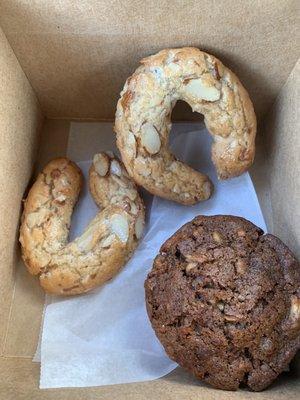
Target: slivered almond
{"type": "Point", "coordinates": [231, 318]}
{"type": "Point", "coordinates": [176, 188]}
{"type": "Point", "coordinates": [150, 138]}
{"type": "Point", "coordinates": [217, 237]}
{"type": "Point", "coordinates": [131, 193]}
{"type": "Point", "coordinates": [190, 266]}
{"type": "Point", "coordinates": [107, 241]}
{"type": "Point", "coordinates": [295, 312]}
{"type": "Point", "coordinates": [241, 266]}
{"type": "Point", "coordinates": [133, 208]}
{"type": "Point", "coordinates": [115, 168]}
{"type": "Point", "coordinates": [35, 218]}
{"type": "Point", "coordinates": [119, 181]}
{"type": "Point", "coordinates": [197, 88]}
{"type": "Point", "coordinates": [131, 144]}
{"type": "Point", "coordinates": [86, 241]}
{"type": "Point", "coordinates": [120, 227]}
{"type": "Point", "coordinates": [101, 163]}
{"type": "Point", "coordinates": [60, 198]}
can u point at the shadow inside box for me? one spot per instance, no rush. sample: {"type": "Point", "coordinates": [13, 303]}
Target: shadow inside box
{"type": "Point", "coordinates": [292, 378]}
{"type": "Point", "coordinates": [286, 378]}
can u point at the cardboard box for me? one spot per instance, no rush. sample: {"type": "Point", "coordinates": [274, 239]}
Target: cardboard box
{"type": "Point", "coordinates": [69, 60]}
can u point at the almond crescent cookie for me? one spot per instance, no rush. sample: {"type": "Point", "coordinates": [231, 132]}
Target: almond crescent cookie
{"type": "Point", "coordinates": [108, 241]}
{"type": "Point", "coordinates": [143, 122]}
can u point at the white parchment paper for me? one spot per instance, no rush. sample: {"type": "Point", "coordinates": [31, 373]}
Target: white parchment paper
{"type": "Point", "coordinates": [104, 337]}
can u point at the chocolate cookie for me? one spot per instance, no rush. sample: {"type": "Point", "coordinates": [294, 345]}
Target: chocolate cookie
{"type": "Point", "coordinates": [224, 300]}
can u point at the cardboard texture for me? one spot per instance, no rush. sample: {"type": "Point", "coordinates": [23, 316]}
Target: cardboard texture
{"type": "Point", "coordinates": [19, 124]}
{"type": "Point", "coordinates": [19, 380]}
{"type": "Point", "coordinates": [76, 56]}
{"type": "Point", "coordinates": [28, 301]}
{"type": "Point", "coordinates": [281, 128]}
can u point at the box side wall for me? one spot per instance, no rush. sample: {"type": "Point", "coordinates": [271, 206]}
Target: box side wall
{"type": "Point", "coordinates": [26, 311]}
{"type": "Point", "coordinates": [77, 55]}
{"type": "Point", "coordinates": [282, 162]}
{"type": "Point", "coordinates": [28, 300]}
{"type": "Point", "coordinates": [73, 75]}
{"type": "Point", "coordinates": [20, 119]}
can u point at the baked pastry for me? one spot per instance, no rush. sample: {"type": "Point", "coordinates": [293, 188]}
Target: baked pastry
{"type": "Point", "coordinates": [143, 122]}
{"type": "Point", "coordinates": [224, 300]}
{"type": "Point", "coordinates": [108, 241]}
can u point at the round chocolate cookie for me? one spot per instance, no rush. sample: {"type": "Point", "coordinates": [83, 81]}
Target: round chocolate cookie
{"type": "Point", "coordinates": [224, 300]}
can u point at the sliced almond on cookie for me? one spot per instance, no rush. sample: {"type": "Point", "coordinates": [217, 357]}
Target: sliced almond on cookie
{"type": "Point", "coordinates": [295, 312]}
{"type": "Point", "coordinates": [150, 138]}
{"type": "Point", "coordinates": [87, 240]}
{"type": "Point", "coordinates": [217, 237]}
{"type": "Point", "coordinates": [101, 163]}
{"type": "Point", "coordinates": [120, 227]}
{"type": "Point", "coordinates": [197, 88]}
{"type": "Point", "coordinates": [131, 144]}
{"type": "Point", "coordinates": [107, 241]}
{"type": "Point", "coordinates": [115, 168]}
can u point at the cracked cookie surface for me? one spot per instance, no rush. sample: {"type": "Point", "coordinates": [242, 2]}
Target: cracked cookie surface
{"type": "Point", "coordinates": [224, 300]}
{"type": "Point", "coordinates": [143, 122]}
{"type": "Point", "coordinates": [107, 242]}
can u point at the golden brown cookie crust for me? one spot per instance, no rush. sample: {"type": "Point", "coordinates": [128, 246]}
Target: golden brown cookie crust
{"type": "Point", "coordinates": [108, 241]}
{"type": "Point", "coordinates": [143, 122]}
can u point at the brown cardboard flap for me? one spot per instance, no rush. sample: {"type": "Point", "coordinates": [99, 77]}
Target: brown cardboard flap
{"type": "Point", "coordinates": [77, 55]}
{"type": "Point", "coordinates": [282, 163]}
{"type": "Point", "coordinates": [28, 300]}
{"type": "Point", "coordinates": [20, 118]}
{"type": "Point", "coordinates": [25, 315]}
